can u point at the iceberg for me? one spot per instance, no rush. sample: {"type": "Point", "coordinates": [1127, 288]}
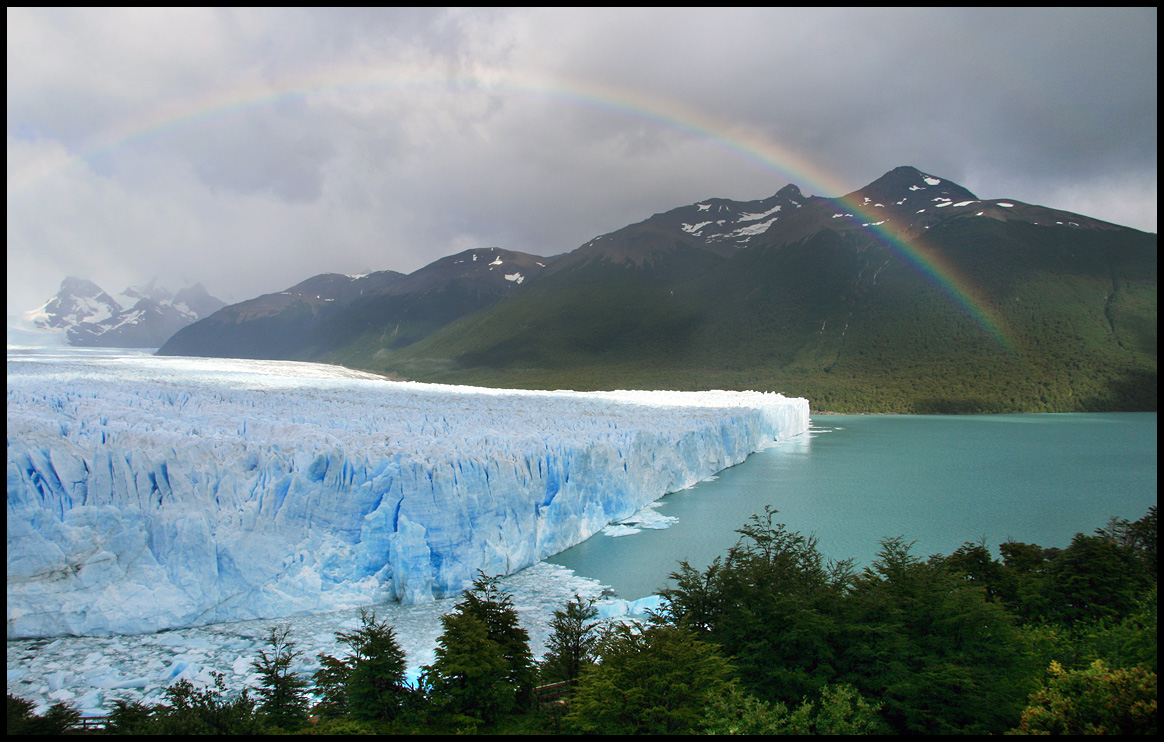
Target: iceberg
{"type": "Point", "coordinates": [149, 493]}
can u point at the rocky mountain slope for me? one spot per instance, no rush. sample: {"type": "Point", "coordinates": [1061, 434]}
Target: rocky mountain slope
{"type": "Point", "coordinates": [910, 294]}
{"type": "Point", "coordinates": [315, 318]}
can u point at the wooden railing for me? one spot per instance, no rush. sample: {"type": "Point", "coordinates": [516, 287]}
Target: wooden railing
{"type": "Point", "coordinates": [91, 723]}
{"type": "Point", "coordinates": [554, 693]}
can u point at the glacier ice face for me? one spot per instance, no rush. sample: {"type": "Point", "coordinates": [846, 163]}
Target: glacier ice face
{"type": "Point", "coordinates": [151, 493]}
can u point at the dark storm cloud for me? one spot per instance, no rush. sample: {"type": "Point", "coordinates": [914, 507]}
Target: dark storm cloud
{"type": "Point", "coordinates": [250, 149]}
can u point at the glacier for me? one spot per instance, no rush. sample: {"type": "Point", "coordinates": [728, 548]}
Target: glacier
{"type": "Point", "coordinates": [149, 493]}
{"type": "Point", "coordinates": [93, 672]}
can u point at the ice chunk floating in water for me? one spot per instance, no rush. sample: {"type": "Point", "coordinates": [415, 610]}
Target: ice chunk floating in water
{"type": "Point", "coordinates": [151, 493]}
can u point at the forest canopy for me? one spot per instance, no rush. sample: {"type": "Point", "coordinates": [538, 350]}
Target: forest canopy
{"type": "Point", "coordinates": [772, 637]}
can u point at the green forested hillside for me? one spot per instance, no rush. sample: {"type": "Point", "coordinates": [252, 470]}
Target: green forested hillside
{"type": "Point", "coordinates": [841, 318]}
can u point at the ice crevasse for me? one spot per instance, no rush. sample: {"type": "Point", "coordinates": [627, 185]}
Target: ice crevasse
{"type": "Point", "coordinates": [151, 493]}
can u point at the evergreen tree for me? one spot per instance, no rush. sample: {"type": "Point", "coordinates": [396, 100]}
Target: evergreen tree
{"type": "Point", "coordinates": [841, 710]}
{"type": "Point", "coordinates": [375, 686]}
{"type": "Point", "coordinates": [190, 710]}
{"type": "Point", "coordinates": [494, 608]}
{"type": "Point", "coordinates": [660, 680]}
{"type": "Point", "coordinates": [838, 710]}
{"type": "Point", "coordinates": [926, 642]}
{"type": "Point", "coordinates": [772, 605]}
{"type": "Point", "coordinates": [331, 680]}
{"type": "Point", "coordinates": [469, 675]}
{"type": "Point", "coordinates": [571, 646]}
{"type": "Point", "coordinates": [370, 682]}
{"type": "Point", "coordinates": [282, 693]}
{"type": "Point", "coordinates": [483, 665]}
{"type": "Point", "coordinates": [131, 717]}
{"type": "Point", "coordinates": [1142, 540]}
{"type": "Point", "coordinates": [1024, 572]}
{"type": "Point", "coordinates": [974, 563]}
{"type": "Point", "coordinates": [1094, 577]}
{"type": "Point", "coordinates": [57, 720]}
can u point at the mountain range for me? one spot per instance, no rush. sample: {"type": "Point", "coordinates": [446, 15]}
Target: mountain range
{"type": "Point", "coordinates": [140, 317]}
{"type": "Point", "coordinates": [909, 295]}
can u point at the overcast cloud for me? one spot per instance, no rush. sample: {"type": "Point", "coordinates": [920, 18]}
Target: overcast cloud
{"type": "Point", "coordinates": [251, 149]}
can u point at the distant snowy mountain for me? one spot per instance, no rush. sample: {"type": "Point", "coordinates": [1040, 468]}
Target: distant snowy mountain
{"type": "Point", "coordinates": [140, 317]}
{"type": "Point", "coordinates": [78, 301]}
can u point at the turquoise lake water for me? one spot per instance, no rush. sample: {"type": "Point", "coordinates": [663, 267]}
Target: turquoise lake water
{"type": "Point", "coordinates": [936, 480]}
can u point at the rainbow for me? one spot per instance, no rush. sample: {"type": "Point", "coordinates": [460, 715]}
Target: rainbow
{"type": "Point", "coordinates": [738, 141]}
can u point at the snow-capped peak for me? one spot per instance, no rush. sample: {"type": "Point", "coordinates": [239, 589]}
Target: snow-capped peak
{"type": "Point", "coordinates": [141, 316]}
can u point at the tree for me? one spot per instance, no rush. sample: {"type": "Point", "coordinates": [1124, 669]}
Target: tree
{"type": "Point", "coordinates": [282, 693]}
{"type": "Point", "coordinates": [483, 666]}
{"type": "Point", "coordinates": [772, 605]}
{"type": "Point", "coordinates": [469, 675]}
{"type": "Point", "coordinates": [1096, 700]}
{"type": "Point", "coordinates": [131, 717]}
{"type": "Point", "coordinates": [495, 608]}
{"type": "Point", "coordinates": [839, 710]}
{"type": "Point", "coordinates": [571, 646]}
{"type": "Point", "coordinates": [1093, 578]}
{"type": "Point", "coordinates": [660, 680]}
{"type": "Point", "coordinates": [974, 562]}
{"type": "Point", "coordinates": [190, 710]}
{"type": "Point", "coordinates": [370, 683]}
{"type": "Point", "coordinates": [57, 720]}
{"type": "Point", "coordinates": [1025, 559]}
{"type": "Point", "coordinates": [924, 641]}
{"type": "Point", "coordinates": [1138, 538]}
{"type": "Point", "coordinates": [331, 681]}
{"type": "Point", "coordinates": [1142, 540]}
{"type": "Point", "coordinates": [375, 686]}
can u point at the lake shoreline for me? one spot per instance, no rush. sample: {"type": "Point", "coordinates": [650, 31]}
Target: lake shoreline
{"type": "Point", "coordinates": [937, 480]}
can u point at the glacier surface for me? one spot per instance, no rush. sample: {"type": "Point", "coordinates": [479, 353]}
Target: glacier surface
{"type": "Point", "coordinates": [93, 672]}
{"type": "Point", "coordinates": [149, 493]}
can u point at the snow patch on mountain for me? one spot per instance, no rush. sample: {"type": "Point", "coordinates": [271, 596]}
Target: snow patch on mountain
{"type": "Point", "coordinates": [752, 229]}
{"type": "Point", "coordinates": [761, 215]}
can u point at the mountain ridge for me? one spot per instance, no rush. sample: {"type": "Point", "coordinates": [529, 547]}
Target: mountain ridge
{"type": "Point", "coordinates": [139, 317]}
{"type": "Point", "coordinates": [311, 319]}
{"type": "Point", "coordinates": [818, 297]}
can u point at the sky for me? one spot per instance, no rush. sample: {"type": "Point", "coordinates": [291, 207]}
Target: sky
{"type": "Point", "coordinates": [250, 149]}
